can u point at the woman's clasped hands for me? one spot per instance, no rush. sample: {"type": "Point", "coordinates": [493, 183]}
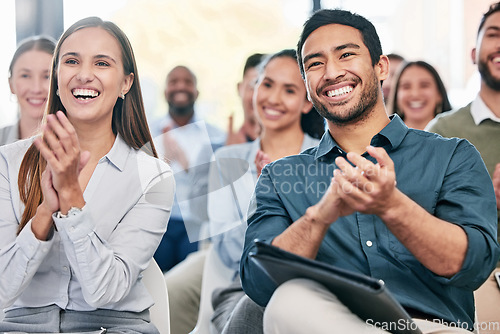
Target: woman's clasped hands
{"type": "Point", "coordinates": [59, 146]}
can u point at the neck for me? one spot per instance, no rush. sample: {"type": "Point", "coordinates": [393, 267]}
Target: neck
{"type": "Point", "coordinates": [181, 119]}
{"type": "Point", "coordinates": [491, 98]}
{"type": "Point", "coordinates": [272, 142]}
{"type": "Point", "coordinates": [417, 124]}
{"type": "Point", "coordinates": [98, 141]}
{"type": "Point", "coordinates": [28, 127]}
{"type": "Point", "coordinates": [357, 136]}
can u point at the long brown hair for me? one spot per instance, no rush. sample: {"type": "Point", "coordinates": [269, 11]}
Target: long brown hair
{"type": "Point", "coordinates": [129, 118]}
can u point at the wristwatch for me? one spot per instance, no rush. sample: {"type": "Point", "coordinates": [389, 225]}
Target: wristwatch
{"type": "Point", "coordinates": [73, 211]}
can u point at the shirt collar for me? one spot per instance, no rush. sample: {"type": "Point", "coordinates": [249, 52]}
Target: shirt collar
{"type": "Point", "coordinates": [118, 154]}
{"type": "Point", "coordinates": [481, 112]}
{"type": "Point", "coordinates": [390, 137]}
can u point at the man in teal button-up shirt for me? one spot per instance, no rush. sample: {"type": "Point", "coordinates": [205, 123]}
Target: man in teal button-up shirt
{"type": "Point", "coordinates": [431, 236]}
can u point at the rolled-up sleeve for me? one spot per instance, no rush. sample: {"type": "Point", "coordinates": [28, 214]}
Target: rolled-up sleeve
{"type": "Point", "coordinates": [467, 199]}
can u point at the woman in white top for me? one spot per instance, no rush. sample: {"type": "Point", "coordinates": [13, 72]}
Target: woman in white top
{"type": "Point", "coordinates": [83, 208]}
{"type": "Point", "coordinates": [29, 72]}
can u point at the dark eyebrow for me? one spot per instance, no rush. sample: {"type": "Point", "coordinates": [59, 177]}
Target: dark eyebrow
{"type": "Point", "coordinates": [312, 55]}
{"type": "Point", "coordinates": [347, 46]}
{"type": "Point", "coordinates": [267, 78]}
{"type": "Point", "coordinates": [495, 28]}
{"type": "Point", "coordinates": [287, 85]}
{"type": "Point", "coordinates": [76, 54]}
{"type": "Point", "coordinates": [337, 48]}
{"type": "Point", "coordinates": [67, 54]}
{"type": "Point", "coordinates": [105, 56]}
{"type": "Point", "coordinates": [291, 86]}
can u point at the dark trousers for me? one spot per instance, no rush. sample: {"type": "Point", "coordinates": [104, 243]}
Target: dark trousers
{"type": "Point", "coordinates": [174, 246]}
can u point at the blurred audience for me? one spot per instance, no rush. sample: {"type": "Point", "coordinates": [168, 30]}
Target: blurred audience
{"type": "Point", "coordinates": [394, 61]}
{"type": "Point", "coordinates": [184, 280]}
{"type": "Point", "coordinates": [479, 122]}
{"type": "Point", "coordinates": [29, 73]}
{"type": "Point", "coordinates": [250, 128]}
{"type": "Point", "coordinates": [289, 125]}
{"type": "Point", "coordinates": [418, 95]}
{"type": "Point", "coordinates": [182, 136]}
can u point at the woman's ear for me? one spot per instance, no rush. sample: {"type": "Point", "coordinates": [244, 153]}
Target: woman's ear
{"type": "Point", "coordinates": [307, 107]}
{"type": "Point", "coordinates": [127, 83]}
{"type": "Point", "coordinates": [11, 87]}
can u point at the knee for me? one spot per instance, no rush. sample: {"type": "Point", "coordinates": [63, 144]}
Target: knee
{"type": "Point", "coordinates": [285, 306]}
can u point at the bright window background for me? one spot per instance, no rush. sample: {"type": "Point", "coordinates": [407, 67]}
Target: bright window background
{"type": "Point", "coordinates": [214, 38]}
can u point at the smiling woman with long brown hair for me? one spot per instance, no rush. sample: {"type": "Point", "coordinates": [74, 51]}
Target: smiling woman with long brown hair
{"type": "Point", "coordinates": [83, 206]}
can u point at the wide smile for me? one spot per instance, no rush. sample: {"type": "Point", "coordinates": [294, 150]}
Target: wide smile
{"type": "Point", "coordinates": [416, 106]}
{"type": "Point", "coordinates": [36, 102]}
{"type": "Point", "coordinates": [85, 94]}
{"type": "Point", "coordinates": [339, 92]}
{"type": "Point", "coordinates": [272, 113]}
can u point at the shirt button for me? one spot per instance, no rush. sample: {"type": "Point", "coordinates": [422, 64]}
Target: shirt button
{"type": "Point", "coordinates": [72, 228]}
{"type": "Point", "coordinates": [369, 243]}
{"type": "Point", "coordinates": [65, 269]}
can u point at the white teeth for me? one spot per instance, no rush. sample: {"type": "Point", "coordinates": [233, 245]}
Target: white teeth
{"type": "Point", "coordinates": [273, 112]}
{"type": "Point", "coordinates": [416, 104]}
{"type": "Point", "coordinates": [85, 93]}
{"type": "Point", "coordinates": [496, 60]}
{"type": "Point", "coordinates": [36, 101]}
{"type": "Point", "coordinates": [340, 91]}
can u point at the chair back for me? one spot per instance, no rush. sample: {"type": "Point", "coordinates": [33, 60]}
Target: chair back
{"type": "Point", "coordinates": [154, 281]}
{"type": "Point", "coordinates": [215, 275]}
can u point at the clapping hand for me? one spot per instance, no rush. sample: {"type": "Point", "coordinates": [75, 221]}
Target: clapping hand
{"type": "Point", "coordinates": [173, 151]}
{"type": "Point", "coordinates": [60, 148]}
{"type": "Point", "coordinates": [367, 187]}
{"type": "Point", "coordinates": [261, 160]}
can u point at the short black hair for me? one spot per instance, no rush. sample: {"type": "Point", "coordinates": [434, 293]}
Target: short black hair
{"type": "Point", "coordinates": [395, 56]}
{"type": "Point", "coordinates": [252, 61]}
{"type": "Point", "coordinates": [343, 17]}
{"type": "Point", "coordinates": [493, 9]}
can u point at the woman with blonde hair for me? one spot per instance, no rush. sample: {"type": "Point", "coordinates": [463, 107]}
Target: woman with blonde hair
{"type": "Point", "coordinates": [29, 72]}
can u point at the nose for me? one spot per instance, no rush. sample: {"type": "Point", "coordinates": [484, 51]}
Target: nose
{"type": "Point", "coordinates": [39, 83]}
{"type": "Point", "coordinates": [274, 96]}
{"type": "Point", "coordinates": [85, 73]}
{"type": "Point", "coordinates": [414, 91]}
{"type": "Point", "coordinates": [333, 70]}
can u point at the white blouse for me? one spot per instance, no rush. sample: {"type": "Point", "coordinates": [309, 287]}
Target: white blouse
{"type": "Point", "coordinates": [94, 259]}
